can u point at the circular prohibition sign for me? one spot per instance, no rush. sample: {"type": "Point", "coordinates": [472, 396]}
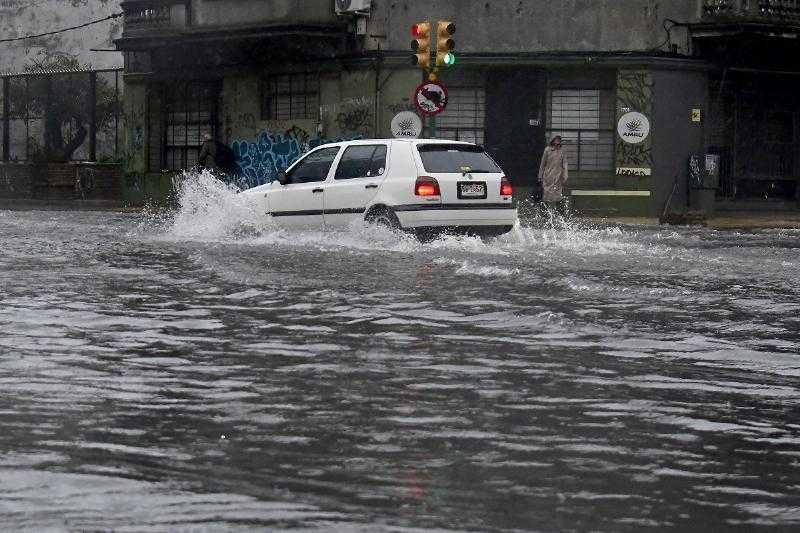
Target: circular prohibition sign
{"type": "Point", "coordinates": [431, 97]}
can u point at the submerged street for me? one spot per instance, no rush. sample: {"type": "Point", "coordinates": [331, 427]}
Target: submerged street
{"type": "Point", "coordinates": [202, 372]}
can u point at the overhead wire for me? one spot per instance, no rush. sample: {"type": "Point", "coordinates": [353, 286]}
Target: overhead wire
{"type": "Point", "coordinates": [62, 30]}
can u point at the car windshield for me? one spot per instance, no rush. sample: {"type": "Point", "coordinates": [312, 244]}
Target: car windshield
{"type": "Point", "coordinates": [452, 158]}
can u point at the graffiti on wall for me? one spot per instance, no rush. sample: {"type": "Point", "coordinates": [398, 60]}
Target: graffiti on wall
{"type": "Point", "coordinates": [352, 116]}
{"type": "Point", "coordinates": [405, 105]}
{"type": "Point", "coordinates": [258, 162]}
{"type": "Point", "coordinates": [634, 93]}
{"type": "Point", "coordinates": [356, 120]}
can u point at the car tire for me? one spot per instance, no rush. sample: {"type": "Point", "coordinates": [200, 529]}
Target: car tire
{"type": "Point", "coordinates": [384, 217]}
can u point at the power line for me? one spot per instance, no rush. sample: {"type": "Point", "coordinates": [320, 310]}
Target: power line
{"type": "Point", "coordinates": [114, 16]}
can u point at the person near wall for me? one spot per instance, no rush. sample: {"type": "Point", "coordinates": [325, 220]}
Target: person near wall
{"type": "Point", "coordinates": [553, 174]}
{"type": "Point", "coordinates": [217, 157]}
{"type": "Point", "coordinates": [208, 154]}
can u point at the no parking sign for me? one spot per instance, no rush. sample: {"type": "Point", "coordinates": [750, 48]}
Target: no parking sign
{"type": "Point", "coordinates": [431, 98]}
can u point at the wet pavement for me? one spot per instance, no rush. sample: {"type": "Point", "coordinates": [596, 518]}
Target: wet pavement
{"type": "Point", "coordinates": [207, 372]}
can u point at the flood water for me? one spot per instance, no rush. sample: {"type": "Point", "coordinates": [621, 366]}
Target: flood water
{"type": "Point", "coordinates": [205, 372]}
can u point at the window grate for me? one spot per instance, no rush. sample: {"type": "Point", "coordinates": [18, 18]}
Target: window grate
{"type": "Point", "coordinates": [290, 97]}
{"type": "Point", "coordinates": [189, 114]}
{"type": "Point", "coordinates": [464, 118]}
{"type": "Point", "coordinates": [584, 119]}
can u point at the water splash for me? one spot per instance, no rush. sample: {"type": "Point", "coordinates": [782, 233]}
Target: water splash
{"type": "Point", "coordinates": [210, 210]}
{"type": "Point", "coordinates": [213, 211]}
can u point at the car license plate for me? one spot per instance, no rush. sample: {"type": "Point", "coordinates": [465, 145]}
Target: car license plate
{"type": "Point", "coordinates": [471, 190]}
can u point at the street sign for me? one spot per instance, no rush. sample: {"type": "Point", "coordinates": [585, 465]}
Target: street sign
{"type": "Point", "coordinates": [406, 125]}
{"type": "Point", "coordinates": [431, 97]}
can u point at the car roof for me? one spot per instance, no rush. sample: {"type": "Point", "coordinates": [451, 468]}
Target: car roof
{"type": "Point", "coordinates": [358, 142]}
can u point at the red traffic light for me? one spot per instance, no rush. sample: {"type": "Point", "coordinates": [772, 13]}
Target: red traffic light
{"type": "Point", "coordinates": [421, 45]}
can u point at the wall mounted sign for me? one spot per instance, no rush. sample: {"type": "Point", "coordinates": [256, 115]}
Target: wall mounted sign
{"type": "Point", "coordinates": [431, 97]}
{"type": "Point", "coordinates": [634, 171]}
{"type": "Point", "coordinates": [406, 125]}
{"type": "Point", "coordinates": [697, 114]}
{"type": "Point", "coordinates": [633, 127]}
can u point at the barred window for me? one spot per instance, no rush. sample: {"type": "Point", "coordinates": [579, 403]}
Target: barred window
{"type": "Point", "coordinates": [290, 97]}
{"type": "Point", "coordinates": [464, 118]}
{"type": "Point", "coordinates": [584, 118]}
{"type": "Point", "coordinates": [187, 113]}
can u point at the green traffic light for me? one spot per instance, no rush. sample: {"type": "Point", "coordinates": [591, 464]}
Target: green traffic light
{"type": "Point", "coordinates": [450, 59]}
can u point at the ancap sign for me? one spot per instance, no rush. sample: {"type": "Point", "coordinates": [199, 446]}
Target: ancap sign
{"type": "Point", "coordinates": [633, 127]}
{"type": "Point", "coordinates": [406, 125]}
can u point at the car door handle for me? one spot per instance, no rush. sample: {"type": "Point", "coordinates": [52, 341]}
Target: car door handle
{"type": "Point", "coordinates": [315, 191]}
{"type": "Point", "coordinates": [371, 186]}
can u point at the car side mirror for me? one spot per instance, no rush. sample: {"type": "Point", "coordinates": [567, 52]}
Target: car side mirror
{"type": "Point", "coordinates": [282, 179]}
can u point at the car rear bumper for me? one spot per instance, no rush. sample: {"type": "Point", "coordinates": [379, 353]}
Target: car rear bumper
{"type": "Point", "coordinates": [456, 215]}
{"type": "Point", "coordinates": [426, 233]}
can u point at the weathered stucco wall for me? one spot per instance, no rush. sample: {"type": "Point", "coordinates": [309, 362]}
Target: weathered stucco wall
{"type": "Point", "coordinates": [227, 12]}
{"type": "Point", "coordinates": [28, 17]}
{"type": "Point", "coordinates": [347, 107]}
{"type": "Point", "coordinates": [497, 26]}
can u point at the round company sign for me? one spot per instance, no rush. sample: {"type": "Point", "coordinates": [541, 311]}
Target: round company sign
{"type": "Point", "coordinates": [406, 125]}
{"type": "Point", "coordinates": [633, 127]}
{"type": "Point", "coordinates": [431, 98]}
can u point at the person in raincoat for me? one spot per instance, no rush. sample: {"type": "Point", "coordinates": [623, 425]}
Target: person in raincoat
{"type": "Point", "coordinates": [208, 154]}
{"type": "Point", "coordinates": [216, 156]}
{"type": "Point", "coordinates": [553, 174]}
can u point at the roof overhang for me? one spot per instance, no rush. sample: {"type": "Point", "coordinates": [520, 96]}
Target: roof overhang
{"type": "Point", "coordinates": [705, 30]}
{"type": "Point", "coordinates": [156, 38]}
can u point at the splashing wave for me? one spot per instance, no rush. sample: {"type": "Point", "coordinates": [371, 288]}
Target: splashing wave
{"type": "Point", "coordinates": [213, 211]}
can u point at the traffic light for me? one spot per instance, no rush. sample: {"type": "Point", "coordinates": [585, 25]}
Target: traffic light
{"type": "Point", "coordinates": [421, 45]}
{"type": "Point", "coordinates": [445, 44]}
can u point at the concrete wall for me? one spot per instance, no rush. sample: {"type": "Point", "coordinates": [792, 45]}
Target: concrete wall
{"type": "Point", "coordinates": [350, 105]}
{"type": "Point", "coordinates": [396, 88]}
{"type": "Point", "coordinates": [80, 181]}
{"type": "Point", "coordinates": [262, 147]}
{"type": "Point", "coordinates": [236, 12]}
{"type": "Point", "coordinates": [28, 17]}
{"type": "Point", "coordinates": [60, 181]}
{"type": "Point", "coordinates": [16, 180]}
{"type": "Point", "coordinates": [484, 26]}
{"type": "Point", "coordinates": [498, 26]}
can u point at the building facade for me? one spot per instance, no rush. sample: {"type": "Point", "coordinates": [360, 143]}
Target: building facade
{"type": "Point", "coordinates": [60, 89]}
{"type": "Point", "coordinates": [91, 47]}
{"type": "Point", "coordinates": [685, 79]}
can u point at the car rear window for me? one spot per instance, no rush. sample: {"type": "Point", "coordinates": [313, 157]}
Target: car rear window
{"type": "Point", "coordinates": [452, 158]}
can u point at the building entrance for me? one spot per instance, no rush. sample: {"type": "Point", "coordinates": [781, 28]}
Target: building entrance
{"type": "Point", "coordinates": [758, 135]}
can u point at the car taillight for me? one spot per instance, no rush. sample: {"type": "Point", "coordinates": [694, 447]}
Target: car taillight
{"type": "Point", "coordinates": [427, 186]}
{"type": "Point", "coordinates": [505, 187]}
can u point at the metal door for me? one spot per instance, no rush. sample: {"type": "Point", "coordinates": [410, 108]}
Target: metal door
{"type": "Point", "coordinates": [515, 122]}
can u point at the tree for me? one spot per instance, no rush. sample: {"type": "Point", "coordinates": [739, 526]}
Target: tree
{"type": "Point", "coordinates": [61, 93]}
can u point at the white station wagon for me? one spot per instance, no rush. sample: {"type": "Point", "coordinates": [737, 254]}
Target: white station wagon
{"type": "Point", "coordinates": [426, 187]}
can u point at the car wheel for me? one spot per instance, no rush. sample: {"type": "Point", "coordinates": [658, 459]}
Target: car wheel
{"type": "Point", "coordinates": [384, 217]}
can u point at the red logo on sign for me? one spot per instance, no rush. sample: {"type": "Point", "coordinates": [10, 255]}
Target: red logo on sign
{"type": "Point", "coordinates": [430, 98]}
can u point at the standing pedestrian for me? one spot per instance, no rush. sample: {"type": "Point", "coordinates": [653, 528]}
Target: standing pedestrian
{"type": "Point", "coordinates": [208, 154]}
{"type": "Point", "coordinates": [553, 174]}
